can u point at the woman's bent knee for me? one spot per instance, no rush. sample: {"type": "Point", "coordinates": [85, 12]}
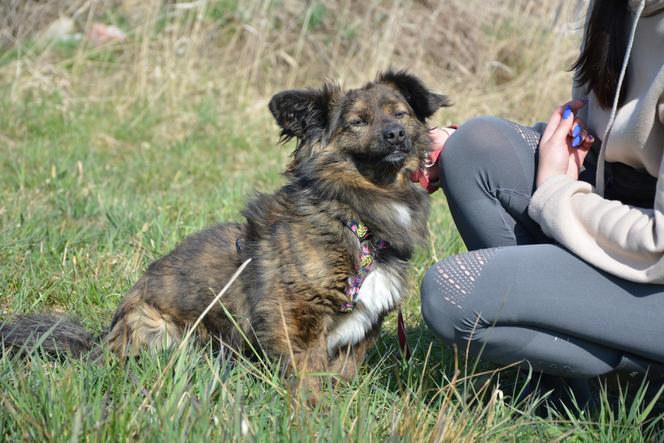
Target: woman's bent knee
{"type": "Point", "coordinates": [449, 302]}
{"type": "Point", "coordinates": [474, 137]}
{"type": "Point", "coordinates": [486, 143]}
{"type": "Point", "coordinates": [440, 315]}
{"type": "Point", "coordinates": [482, 155]}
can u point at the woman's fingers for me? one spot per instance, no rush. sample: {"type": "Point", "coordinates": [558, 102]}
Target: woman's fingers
{"type": "Point", "coordinates": [578, 154]}
{"type": "Point", "coordinates": [575, 133]}
{"type": "Point", "coordinates": [579, 134]}
{"type": "Point", "coordinates": [552, 124]}
{"type": "Point", "coordinates": [565, 126]}
{"type": "Point", "coordinates": [587, 140]}
{"type": "Point", "coordinates": [438, 138]}
{"type": "Point", "coordinates": [556, 155]}
{"type": "Point", "coordinates": [561, 114]}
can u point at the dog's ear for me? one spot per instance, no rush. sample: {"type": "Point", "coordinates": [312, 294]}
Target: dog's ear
{"type": "Point", "coordinates": [424, 102]}
{"type": "Point", "coordinates": [303, 113]}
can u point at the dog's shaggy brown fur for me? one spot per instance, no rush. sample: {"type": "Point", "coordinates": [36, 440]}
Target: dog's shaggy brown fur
{"type": "Point", "coordinates": [355, 153]}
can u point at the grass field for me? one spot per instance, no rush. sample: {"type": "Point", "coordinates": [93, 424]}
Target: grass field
{"type": "Point", "coordinates": [110, 155]}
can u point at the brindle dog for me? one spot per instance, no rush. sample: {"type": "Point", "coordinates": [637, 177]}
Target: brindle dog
{"type": "Point", "coordinates": [355, 153]}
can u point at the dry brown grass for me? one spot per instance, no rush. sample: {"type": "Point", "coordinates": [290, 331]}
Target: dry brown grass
{"type": "Point", "coordinates": [503, 57]}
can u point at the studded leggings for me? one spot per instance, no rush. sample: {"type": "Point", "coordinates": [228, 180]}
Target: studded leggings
{"type": "Point", "coordinates": [516, 296]}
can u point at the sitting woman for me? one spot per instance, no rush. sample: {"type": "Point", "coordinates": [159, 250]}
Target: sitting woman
{"type": "Point", "coordinates": [564, 222]}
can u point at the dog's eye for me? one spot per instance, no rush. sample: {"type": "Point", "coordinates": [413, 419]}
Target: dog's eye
{"type": "Point", "coordinates": [400, 114]}
{"type": "Point", "coordinates": [357, 122]}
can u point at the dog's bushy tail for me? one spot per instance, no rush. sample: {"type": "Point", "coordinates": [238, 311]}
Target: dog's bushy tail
{"type": "Point", "coordinates": [56, 335]}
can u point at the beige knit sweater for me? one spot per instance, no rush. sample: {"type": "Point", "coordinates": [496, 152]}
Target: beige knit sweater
{"type": "Point", "coordinates": [623, 240]}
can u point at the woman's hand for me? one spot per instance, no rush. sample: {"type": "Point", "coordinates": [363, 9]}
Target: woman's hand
{"type": "Point", "coordinates": [438, 138]}
{"type": "Point", "coordinates": [429, 175]}
{"type": "Point", "coordinates": [564, 144]}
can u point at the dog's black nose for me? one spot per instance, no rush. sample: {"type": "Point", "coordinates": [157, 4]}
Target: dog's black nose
{"type": "Point", "coordinates": [394, 133]}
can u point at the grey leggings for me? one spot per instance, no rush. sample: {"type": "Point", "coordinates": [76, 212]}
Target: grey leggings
{"type": "Point", "coordinates": [516, 296]}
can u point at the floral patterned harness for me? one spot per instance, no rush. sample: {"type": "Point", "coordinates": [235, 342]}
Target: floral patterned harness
{"type": "Point", "coordinates": [367, 262]}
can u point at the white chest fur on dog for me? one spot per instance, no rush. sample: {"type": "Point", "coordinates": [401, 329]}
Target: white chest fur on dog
{"type": "Point", "coordinates": [381, 291]}
{"type": "Point", "coordinates": [402, 214]}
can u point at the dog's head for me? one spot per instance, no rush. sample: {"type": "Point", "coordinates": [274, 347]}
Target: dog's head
{"type": "Point", "coordinates": [380, 128]}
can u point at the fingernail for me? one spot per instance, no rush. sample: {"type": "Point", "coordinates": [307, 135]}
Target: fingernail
{"type": "Point", "coordinates": [567, 112]}
{"type": "Point", "coordinates": [576, 131]}
{"type": "Point", "coordinates": [576, 142]}
{"type": "Point", "coordinates": [591, 139]}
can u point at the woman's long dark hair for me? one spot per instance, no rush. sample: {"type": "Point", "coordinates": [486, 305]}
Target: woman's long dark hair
{"type": "Point", "coordinates": [599, 64]}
